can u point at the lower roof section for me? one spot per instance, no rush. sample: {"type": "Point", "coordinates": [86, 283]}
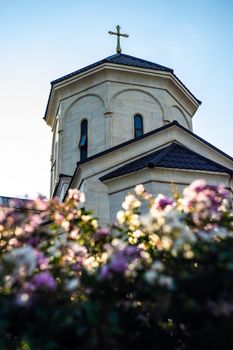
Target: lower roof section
{"type": "Point", "coordinates": [173, 156]}
{"type": "Point", "coordinates": [108, 163]}
{"type": "Point", "coordinates": [14, 202]}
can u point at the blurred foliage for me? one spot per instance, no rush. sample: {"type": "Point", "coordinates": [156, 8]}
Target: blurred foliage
{"type": "Point", "coordinates": [157, 280]}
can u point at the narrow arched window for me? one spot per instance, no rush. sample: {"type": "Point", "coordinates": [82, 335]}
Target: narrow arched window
{"type": "Point", "coordinates": [83, 143]}
{"type": "Point", "coordinates": [138, 126]}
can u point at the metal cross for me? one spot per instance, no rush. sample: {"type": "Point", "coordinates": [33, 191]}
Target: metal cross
{"type": "Point", "coordinates": [118, 34]}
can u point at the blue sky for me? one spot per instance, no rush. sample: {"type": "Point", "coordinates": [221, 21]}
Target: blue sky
{"type": "Point", "coordinates": [43, 40]}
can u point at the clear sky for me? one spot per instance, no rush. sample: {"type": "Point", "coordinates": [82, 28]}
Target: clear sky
{"type": "Point", "coordinates": [43, 40]}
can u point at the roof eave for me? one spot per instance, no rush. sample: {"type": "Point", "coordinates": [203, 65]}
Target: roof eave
{"type": "Point", "coordinates": [61, 82]}
{"type": "Point", "coordinates": [165, 127]}
{"type": "Point", "coordinates": [106, 180]}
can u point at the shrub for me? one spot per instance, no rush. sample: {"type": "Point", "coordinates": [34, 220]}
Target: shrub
{"type": "Point", "coordinates": [161, 280]}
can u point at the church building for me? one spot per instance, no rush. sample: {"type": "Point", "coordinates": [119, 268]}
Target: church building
{"type": "Point", "coordinates": [124, 121]}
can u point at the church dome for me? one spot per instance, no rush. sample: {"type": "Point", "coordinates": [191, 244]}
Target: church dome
{"type": "Point", "coordinates": [109, 102]}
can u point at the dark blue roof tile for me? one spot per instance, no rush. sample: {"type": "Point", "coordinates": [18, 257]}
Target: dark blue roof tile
{"type": "Point", "coordinates": [117, 59]}
{"type": "Point", "coordinates": [172, 156]}
{"type": "Point", "coordinates": [14, 202]}
{"type": "Point", "coordinates": [121, 59]}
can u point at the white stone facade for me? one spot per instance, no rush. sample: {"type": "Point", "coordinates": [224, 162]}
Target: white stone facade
{"type": "Point", "coordinates": [108, 96]}
{"type": "Point", "coordinates": [105, 197]}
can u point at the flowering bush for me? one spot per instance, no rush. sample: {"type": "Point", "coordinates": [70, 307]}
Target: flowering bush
{"type": "Point", "coordinates": [160, 280]}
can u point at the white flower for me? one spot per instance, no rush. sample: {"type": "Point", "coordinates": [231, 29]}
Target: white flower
{"type": "Point", "coordinates": [188, 254]}
{"type": "Point", "coordinates": [154, 239]}
{"type": "Point", "coordinates": [220, 232]}
{"type": "Point", "coordinates": [91, 263]}
{"type": "Point", "coordinates": [95, 224]}
{"type": "Point", "coordinates": [157, 266]}
{"type": "Point", "coordinates": [185, 236]}
{"type": "Point", "coordinates": [24, 259]}
{"type": "Point", "coordinates": [22, 299]}
{"type": "Point", "coordinates": [77, 248]}
{"type": "Point", "coordinates": [137, 234]}
{"type": "Point", "coordinates": [147, 222]}
{"type": "Point", "coordinates": [166, 281]}
{"type": "Point", "coordinates": [134, 221]}
{"type": "Point", "coordinates": [65, 224]}
{"type": "Point", "coordinates": [72, 284]}
{"type": "Point", "coordinates": [150, 276]}
{"type": "Point", "coordinates": [131, 202]}
{"type": "Point", "coordinates": [139, 189]}
{"type": "Point", "coordinates": [82, 197]}
{"type": "Point", "coordinates": [205, 236]}
{"type": "Point", "coordinates": [166, 242]}
{"type": "Point", "coordinates": [85, 218]}
{"type": "Point", "coordinates": [121, 216]}
{"type": "Point", "coordinates": [172, 221]}
{"type": "Point", "coordinates": [118, 243]}
{"type": "Point", "coordinates": [145, 255]}
{"type": "Point", "coordinates": [74, 234]}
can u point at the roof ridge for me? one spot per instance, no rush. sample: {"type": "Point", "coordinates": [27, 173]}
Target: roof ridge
{"type": "Point", "coordinates": [206, 159]}
{"type": "Point", "coordinates": [183, 147]}
{"type": "Point", "coordinates": [77, 71]}
{"type": "Point", "coordinates": [156, 153]}
{"type": "Point", "coordinates": [159, 156]}
{"type": "Point", "coordinates": [155, 158]}
{"type": "Point", "coordinates": [174, 122]}
{"type": "Point", "coordinates": [153, 132]}
{"type": "Point", "coordinates": [109, 59]}
{"type": "Point", "coordinates": [147, 61]}
{"type": "Point", "coordinates": [112, 56]}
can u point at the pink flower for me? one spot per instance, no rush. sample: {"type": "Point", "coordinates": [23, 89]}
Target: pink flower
{"type": "Point", "coordinates": [10, 218]}
{"type": "Point", "coordinates": [33, 223]}
{"type": "Point", "coordinates": [33, 241]}
{"type": "Point", "coordinates": [76, 195]}
{"type": "Point", "coordinates": [119, 261]}
{"type": "Point", "coordinates": [162, 201]}
{"type": "Point", "coordinates": [42, 261]}
{"type": "Point", "coordinates": [101, 234]}
{"type": "Point", "coordinates": [204, 201]}
{"type": "Point", "coordinates": [44, 280]}
{"type": "Point", "coordinates": [40, 204]}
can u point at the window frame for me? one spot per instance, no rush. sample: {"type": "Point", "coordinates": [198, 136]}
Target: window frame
{"type": "Point", "coordinates": [140, 129]}
{"type": "Point", "coordinates": [83, 140]}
